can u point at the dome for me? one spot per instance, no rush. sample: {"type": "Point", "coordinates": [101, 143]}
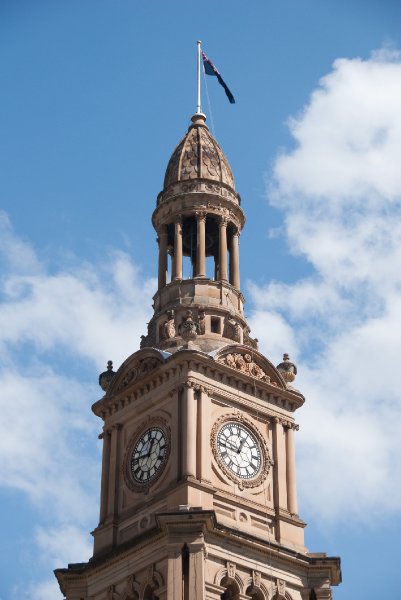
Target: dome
{"type": "Point", "coordinates": [198, 156]}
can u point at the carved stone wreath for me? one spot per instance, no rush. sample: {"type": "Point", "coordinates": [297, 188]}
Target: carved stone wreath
{"type": "Point", "coordinates": [138, 369]}
{"type": "Point", "coordinates": [266, 461]}
{"type": "Point", "coordinates": [143, 427]}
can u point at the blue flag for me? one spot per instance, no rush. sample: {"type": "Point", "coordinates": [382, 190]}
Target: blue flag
{"type": "Point", "coordinates": [210, 69]}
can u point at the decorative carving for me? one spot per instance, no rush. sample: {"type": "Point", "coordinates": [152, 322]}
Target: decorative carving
{"type": "Point", "coordinates": [256, 578]}
{"type": "Point", "coordinates": [188, 329]}
{"type": "Point", "coordinates": [106, 377]}
{"type": "Point", "coordinates": [280, 588]}
{"type": "Point", "coordinates": [287, 369]}
{"type": "Point", "coordinates": [232, 329]}
{"type": "Point", "coordinates": [248, 341]}
{"type": "Point", "coordinates": [200, 215]}
{"type": "Point", "coordinates": [202, 322]}
{"type": "Point", "coordinates": [111, 593]}
{"type": "Point", "coordinates": [231, 568]}
{"type": "Point", "coordinates": [169, 326]}
{"type": "Point", "coordinates": [132, 589]}
{"type": "Point", "coordinates": [140, 368]}
{"type": "Point", "coordinates": [149, 341]}
{"type": "Point", "coordinates": [244, 364]}
{"type": "Point", "coordinates": [265, 456]}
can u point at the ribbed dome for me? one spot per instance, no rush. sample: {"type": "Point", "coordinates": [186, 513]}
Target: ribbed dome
{"type": "Point", "coordinates": [198, 156]}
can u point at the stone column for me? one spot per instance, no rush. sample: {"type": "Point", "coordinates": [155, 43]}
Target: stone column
{"type": "Point", "coordinates": [203, 459]}
{"type": "Point", "coordinates": [163, 257]}
{"type": "Point", "coordinates": [196, 587]}
{"type": "Point", "coordinates": [189, 432]}
{"type": "Point", "coordinates": [200, 245]}
{"type": "Point", "coordinates": [291, 471]}
{"type": "Point", "coordinates": [177, 257]}
{"type": "Point", "coordinates": [279, 467]}
{"type": "Point", "coordinates": [234, 261]}
{"type": "Point", "coordinates": [105, 476]}
{"type": "Point", "coordinates": [174, 572]}
{"type": "Point", "coordinates": [223, 249]}
{"type": "Point", "coordinates": [114, 470]}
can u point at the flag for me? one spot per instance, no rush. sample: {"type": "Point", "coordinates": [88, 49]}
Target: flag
{"type": "Point", "coordinates": [210, 69]}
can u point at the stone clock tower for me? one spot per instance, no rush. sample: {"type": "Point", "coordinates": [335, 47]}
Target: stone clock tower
{"type": "Point", "coordinates": [198, 490]}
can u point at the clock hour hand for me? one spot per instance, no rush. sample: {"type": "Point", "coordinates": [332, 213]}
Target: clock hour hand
{"type": "Point", "coordinates": [228, 445]}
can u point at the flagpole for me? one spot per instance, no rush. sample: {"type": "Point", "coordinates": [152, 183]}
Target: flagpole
{"type": "Point", "coordinates": [198, 105]}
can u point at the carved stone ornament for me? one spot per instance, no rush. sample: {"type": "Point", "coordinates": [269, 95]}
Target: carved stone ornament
{"type": "Point", "coordinates": [188, 328]}
{"type": "Point", "coordinates": [106, 377]}
{"type": "Point", "coordinates": [256, 578]}
{"type": "Point", "coordinates": [149, 341]}
{"type": "Point", "coordinates": [231, 568]}
{"type": "Point", "coordinates": [244, 364]}
{"type": "Point", "coordinates": [280, 589]}
{"type": "Point", "coordinates": [153, 422]}
{"type": "Point", "coordinates": [140, 368]}
{"type": "Point", "coordinates": [266, 461]}
{"type": "Point", "coordinates": [287, 369]}
{"type": "Point", "coordinates": [169, 331]}
{"type": "Point", "coordinates": [202, 322]}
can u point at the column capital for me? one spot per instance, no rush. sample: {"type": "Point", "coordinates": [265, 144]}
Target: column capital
{"type": "Point", "coordinates": [200, 215]}
{"type": "Point", "coordinates": [223, 221]}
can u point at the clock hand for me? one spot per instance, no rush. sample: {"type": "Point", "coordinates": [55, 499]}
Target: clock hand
{"type": "Point", "coordinates": [152, 441]}
{"type": "Point", "coordinates": [240, 446]}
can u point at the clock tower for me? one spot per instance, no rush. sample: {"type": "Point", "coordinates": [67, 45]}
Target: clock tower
{"type": "Point", "coordinates": [198, 495]}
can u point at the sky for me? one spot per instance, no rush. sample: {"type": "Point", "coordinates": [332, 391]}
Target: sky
{"type": "Point", "coordinates": [94, 97]}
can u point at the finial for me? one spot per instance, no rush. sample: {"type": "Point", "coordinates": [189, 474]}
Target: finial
{"type": "Point", "coordinates": [287, 369]}
{"type": "Point", "coordinates": [198, 120]}
{"type": "Point", "coordinates": [106, 377]}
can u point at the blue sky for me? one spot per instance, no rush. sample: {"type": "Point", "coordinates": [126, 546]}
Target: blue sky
{"type": "Point", "coordinates": [94, 97]}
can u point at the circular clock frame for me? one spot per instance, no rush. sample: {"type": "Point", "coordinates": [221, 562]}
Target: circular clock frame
{"type": "Point", "coordinates": [239, 421]}
{"type": "Point", "coordinates": [143, 451]}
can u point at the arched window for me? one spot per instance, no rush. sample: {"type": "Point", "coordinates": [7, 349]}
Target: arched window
{"type": "Point", "coordinates": [255, 593]}
{"type": "Point", "coordinates": [232, 590]}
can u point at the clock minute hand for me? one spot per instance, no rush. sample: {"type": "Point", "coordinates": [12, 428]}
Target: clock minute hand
{"type": "Point", "coordinates": [152, 441]}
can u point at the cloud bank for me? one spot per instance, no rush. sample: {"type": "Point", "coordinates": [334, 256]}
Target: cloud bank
{"type": "Point", "coordinates": [340, 192]}
{"type": "Point", "coordinates": [55, 328]}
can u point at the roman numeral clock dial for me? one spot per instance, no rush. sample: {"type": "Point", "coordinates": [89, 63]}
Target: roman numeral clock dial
{"type": "Point", "coordinates": [146, 457]}
{"type": "Point", "coordinates": [240, 452]}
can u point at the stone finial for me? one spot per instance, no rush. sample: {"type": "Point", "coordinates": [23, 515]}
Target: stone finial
{"type": "Point", "coordinates": [287, 369]}
{"type": "Point", "coordinates": [106, 377]}
{"type": "Point", "coordinates": [188, 328]}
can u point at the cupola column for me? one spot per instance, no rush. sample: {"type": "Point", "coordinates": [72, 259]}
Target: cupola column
{"type": "Point", "coordinates": [223, 249]}
{"type": "Point", "coordinates": [177, 258]}
{"type": "Point", "coordinates": [201, 248]}
{"type": "Point", "coordinates": [163, 257]}
{"type": "Point", "coordinates": [234, 260]}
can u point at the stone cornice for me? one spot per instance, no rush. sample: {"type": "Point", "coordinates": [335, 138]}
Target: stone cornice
{"type": "Point", "coordinates": [170, 373]}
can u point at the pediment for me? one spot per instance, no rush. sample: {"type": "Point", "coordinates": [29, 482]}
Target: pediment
{"type": "Point", "coordinates": [134, 368]}
{"type": "Point", "coordinates": [250, 362]}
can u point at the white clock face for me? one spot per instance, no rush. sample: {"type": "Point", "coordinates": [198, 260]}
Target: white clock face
{"type": "Point", "coordinates": [239, 450]}
{"type": "Point", "coordinates": [149, 455]}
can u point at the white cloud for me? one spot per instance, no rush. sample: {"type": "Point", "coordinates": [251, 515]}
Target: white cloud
{"type": "Point", "coordinates": [340, 188]}
{"type": "Point", "coordinates": [49, 323]}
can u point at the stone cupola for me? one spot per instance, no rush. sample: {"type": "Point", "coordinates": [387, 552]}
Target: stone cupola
{"type": "Point", "coordinates": [198, 220]}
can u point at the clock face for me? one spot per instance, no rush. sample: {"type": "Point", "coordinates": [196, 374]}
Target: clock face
{"type": "Point", "coordinates": [148, 456]}
{"type": "Point", "coordinates": [239, 450]}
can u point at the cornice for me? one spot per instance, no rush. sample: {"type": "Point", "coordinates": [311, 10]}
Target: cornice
{"type": "Point", "coordinates": [169, 374]}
